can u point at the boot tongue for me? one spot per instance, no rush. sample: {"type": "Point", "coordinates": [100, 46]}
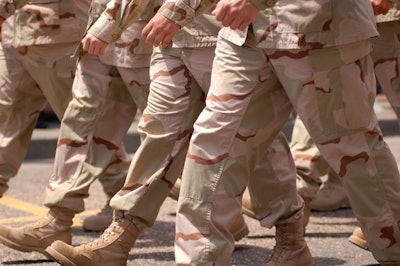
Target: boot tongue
{"type": "Point", "coordinates": [113, 230]}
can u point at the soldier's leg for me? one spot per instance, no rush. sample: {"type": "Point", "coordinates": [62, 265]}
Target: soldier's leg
{"type": "Point", "coordinates": [336, 107]}
{"type": "Point", "coordinates": [311, 167]}
{"type": "Point", "coordinates": [53, 68]}
{"type": "Point", "coordinates": [90, 133]}
{"type": "Point", "coordinates": [28, 75]}
{"type": "Point", "coordinates": [174, 102]}
{"type": "Point", "coordinates": [46, 65]}
{"type": "Point", "coordinates": [224, 149]}
{"type": "Point", "coordinates": [386, 58]}
{"type": "Point", "coordinates": [112, 127]}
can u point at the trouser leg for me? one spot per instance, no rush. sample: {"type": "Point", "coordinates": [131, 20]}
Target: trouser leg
{"type": "Point", "coordinates": [386, 58]}
{"type": "Point", "coordinates": [90, 134]}
{"type": "Point", "coordinates": [30, 76]}
{"type": "Point", "coordinates": [336, 107]}
{"type": "Point", "coordinates": [175, 99]}
{"type": "Point", "coordinates": [226, 146]}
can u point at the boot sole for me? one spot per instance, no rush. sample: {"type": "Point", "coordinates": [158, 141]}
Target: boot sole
{"type": "Point", "coordinates": [249, 213]}
{"type": "Point", "coordinates": [361, 243]}
{"type": "Point", "coordinates": [58, 257]}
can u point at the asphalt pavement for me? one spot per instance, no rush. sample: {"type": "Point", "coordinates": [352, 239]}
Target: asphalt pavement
{"type": "Point", "coordinates": [326, 236]}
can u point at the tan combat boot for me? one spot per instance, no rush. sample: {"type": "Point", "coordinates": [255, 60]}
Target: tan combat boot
{"type": "Point", "coordinates": [110, 249]}
{"type": "Point", "coordinates": [290, 249]}
{"type": "Point", "coordinates": [56, 225]}
{"type": "Point", "coordinates": [100, 221]}
{"type": "Point", "coordinates": [358, 239]}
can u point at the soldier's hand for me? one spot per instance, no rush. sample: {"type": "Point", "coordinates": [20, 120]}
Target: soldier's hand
{"type": "Point", "coordinates": [92, 45]}
{"type": "Point", "coordinates": [236, 14]}
{"type": "Point", "coordinates": [160, 31]}
{"type": "Point", "coordinates": [381, 7]}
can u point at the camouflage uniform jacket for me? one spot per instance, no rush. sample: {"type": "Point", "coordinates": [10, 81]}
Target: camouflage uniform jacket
{"type": "Point", "coordinates": [306, 24]}
{"type": "Point", "coordinates": [311, 24]}
{"type": "Point", "coordinates": [39, 22]}
{"type": "Point", "coordinates": [120, 14]}
{"type": "Point", "coordinates": [126, 47]}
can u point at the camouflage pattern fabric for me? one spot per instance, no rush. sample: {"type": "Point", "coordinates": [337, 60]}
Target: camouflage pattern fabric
{"type": "Point", "coordinates": [107, 91]}
{"type": "Point", "coordinates": [45, 22]}
{"type": "Point", "coordinates": [92, 130]}
{"type": "Point", "coordinates": [234, 124]}
{"type": "Point", "coordinates": [310, 165]}
{"type": "Point", "coordinates": [350, 141]}
{"type": "Point", "coordinates": [31, 75]}
{"type": "Point", "coordinates": [179, 79]}
{"type": "Point", "coordinates": [322, 73]}
{"type": "Point", "coordinates": [386, 58]}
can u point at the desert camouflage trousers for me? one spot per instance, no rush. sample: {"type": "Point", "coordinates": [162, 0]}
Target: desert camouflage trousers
{"type": "Point", "coordinates": [333, 91]}
{"type": "Point", "coordinates": [386, 58]}
{"type": "Point", "coordinates": [310, 165]}
{"type": "Point", "coordinates": [29, 78]}
{"type": "Point", "coordinates": [90, 144]}
{"type": "Point", "coordinates": [180, 80]}
{"type": "Point", "coordinates": [229, 150]}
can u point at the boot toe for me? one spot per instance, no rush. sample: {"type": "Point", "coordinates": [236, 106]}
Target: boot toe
{"type": "Point", "coordinates": [66, 254]}
{"type": "Point", "coordinates": [13, 238]}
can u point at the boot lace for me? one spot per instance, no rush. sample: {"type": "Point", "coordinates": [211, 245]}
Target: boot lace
{"type": "Point", "coordinates": [281, 245]}
{"type": "Point", "coordinates": [113, 230]}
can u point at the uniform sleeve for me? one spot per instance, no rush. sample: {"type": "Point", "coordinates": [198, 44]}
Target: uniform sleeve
{"type": "Point", "coordinates": [97, 7]}
{"type": "Point", "coordinates": [8, 7]}
{"type": "Point", "coordinates": [263, 4]}
{"type": "Point", "coordinates": [183, 12]}
{"type": "Point", "coordinates": [118, 15]}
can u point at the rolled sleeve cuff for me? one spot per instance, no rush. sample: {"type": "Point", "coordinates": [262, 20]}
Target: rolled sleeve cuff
{"type": "Point", "coordinates": [105, 29]}
{"type": "Point", "coordinates": [263, 4]}
{"type": "Point", "coordinates": [179, 12]}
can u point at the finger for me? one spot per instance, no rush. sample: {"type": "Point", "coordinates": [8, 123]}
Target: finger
{"type": "Point", "coordinates": [219, 14]}
{"type": "Point", "coordinates": [146, 30]}
{"type": "Point", "coordinates": [158, 39]}
{"type": "Point", "coordinates": [243, 25]}
{"type": "Point", "coordinates": [91, 49]}
{"type": "Point", "coordinates": [85, 44]}
{"type": "Point", "coordinates": [102, 50]}
{"type": "Point", "coordinates": [235, 23]}
{"type": "Point", "coordinates": [166, 41]}
{"type": "Point", "coordinates": [96, 50]}
{"type": "Point", "coordinates": [227, 22]}
{"type": "Point", "coordinates": [150, 37]}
